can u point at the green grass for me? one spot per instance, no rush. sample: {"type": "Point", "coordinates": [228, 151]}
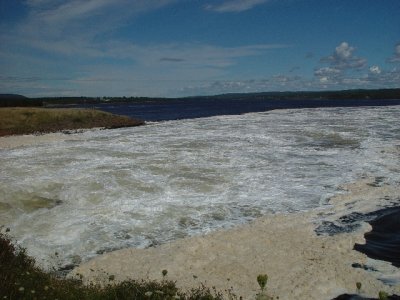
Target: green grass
{"type": "Point", "coordinates": [43, 120]}
{"type": "Point", "coordinates": [20, 278]}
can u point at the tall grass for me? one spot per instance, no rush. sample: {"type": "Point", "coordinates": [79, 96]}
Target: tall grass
{"type": "Point", "coordinates": [43, 120]}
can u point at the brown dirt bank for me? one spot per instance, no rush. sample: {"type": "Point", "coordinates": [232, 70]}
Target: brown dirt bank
{"type": "Point", "coordinates": [17, 121]}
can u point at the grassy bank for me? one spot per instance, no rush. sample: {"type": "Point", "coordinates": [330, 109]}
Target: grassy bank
{"type": "Point", "coordinates": [41, 120]}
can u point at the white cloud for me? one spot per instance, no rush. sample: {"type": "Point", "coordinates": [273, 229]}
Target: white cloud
{"type": "Point", "coordinates": [235, 5]}
{"type": "Point", "coordinates": [343, 58]}
{"type": "Point", "coordinates": [327, 71]}
{"type": "Point", "coordinates": [341, 63]}
{"type": "Point", "coordinates": [375, 70]}
{"type": "Point", "coordinates": [73, 31]}
{"type": "Point", "coordinates": [344, 70]}
{"type": "Point", "coordinates": [86, 18]}
{"type": "Point", "coordinates": [156, 70]}
{"type": "Point", "coordinates": [73, 27]}
{"type": "Point", "coordinates": [324, 79]}
{"type": "Point", "coordinates": [343, 51]}
{"type": "Point", "coordinates": [67, 37]}
{"type": "Point", "coordinates": [273, 83]}
{"type": "Point", "coordinates": [60, 10]}
{"type": "Point", "coordinates": [328, 75]}
{"type": "Point", "coordinates": [42, 3]}
{"type": "Point", "coordinates": [384, 78]}
{"type": "Point", "coordinates": [71, 10]}
{"type": "Point", "coordinates": [396, 54]}
{"type": "Point", "coordinates": [183, 60]}
{"type": "Point", "coordinates": [187, 54]}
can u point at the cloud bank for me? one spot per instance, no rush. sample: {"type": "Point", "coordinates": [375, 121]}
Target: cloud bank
{"type": "Point", "coordinates": [344, 70]}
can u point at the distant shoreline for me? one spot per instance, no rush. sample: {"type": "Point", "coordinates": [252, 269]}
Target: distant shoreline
{"type": "Point", "coordinates": [10, 100]}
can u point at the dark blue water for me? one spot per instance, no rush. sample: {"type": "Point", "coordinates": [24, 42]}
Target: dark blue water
{"type": "Point", "coordinates": [190, 108]}
{"type": "Point", "coordinates": [383, 241]}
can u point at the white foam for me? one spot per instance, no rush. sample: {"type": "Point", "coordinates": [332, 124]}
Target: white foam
{"type": "Point", "coordinates": [145, 185]}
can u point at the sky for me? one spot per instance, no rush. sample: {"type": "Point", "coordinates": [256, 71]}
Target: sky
{"type": "Point", "coordinates": [176, 48]}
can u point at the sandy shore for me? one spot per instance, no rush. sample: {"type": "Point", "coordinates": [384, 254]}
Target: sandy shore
{"type": "Point", "coordinates": [300, 264]}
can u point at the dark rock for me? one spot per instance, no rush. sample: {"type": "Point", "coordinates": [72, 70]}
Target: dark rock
{"type": "Point", "coordinates": [364, 267]}
{"type": "Point", "coordinates": [358, 297]}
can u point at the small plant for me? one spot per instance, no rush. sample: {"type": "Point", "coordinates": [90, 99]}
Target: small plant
{"type": "Point", "coordinates": [358, 286]}
{"type": "Point", "coordinates": [383, 295]}
{"type": "Point", "coordinates": [262, 281]}
{"type": "Point", "coordinates": [164, 273]}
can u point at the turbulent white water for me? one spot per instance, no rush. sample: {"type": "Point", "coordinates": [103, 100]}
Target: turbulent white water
{"type": "Point", "coordinates": [146, 185]}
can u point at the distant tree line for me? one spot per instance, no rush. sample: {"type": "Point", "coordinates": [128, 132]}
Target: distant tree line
{"type": "Point", "coordinates": [11, 100]}
{"type": "Point", "coordinates": [318, 95]}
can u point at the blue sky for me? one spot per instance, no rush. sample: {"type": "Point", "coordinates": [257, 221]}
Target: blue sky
{"type": "Point", "coordinates": [196, 47]}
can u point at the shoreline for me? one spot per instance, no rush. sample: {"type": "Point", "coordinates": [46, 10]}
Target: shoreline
{"type": "Point", "coordinates": [15, 141]}
{"type": "Point", "coordinates": [300, 264]}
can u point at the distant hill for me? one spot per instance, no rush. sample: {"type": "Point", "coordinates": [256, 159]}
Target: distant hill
{"type": "Point", "coordinates": [315, 95]}
{"type": "Point", "coordinates": [12, 96]}
{"type": "Point", "coordinates": [12, 100]}
{"type": "Point", "coordinates": [9, 100]}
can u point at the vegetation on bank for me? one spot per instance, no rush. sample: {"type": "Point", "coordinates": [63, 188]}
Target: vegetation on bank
{"type": "Point", "coordinates": [21, 279]}
{"type": "Point", "coordinates": [43, 120]}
